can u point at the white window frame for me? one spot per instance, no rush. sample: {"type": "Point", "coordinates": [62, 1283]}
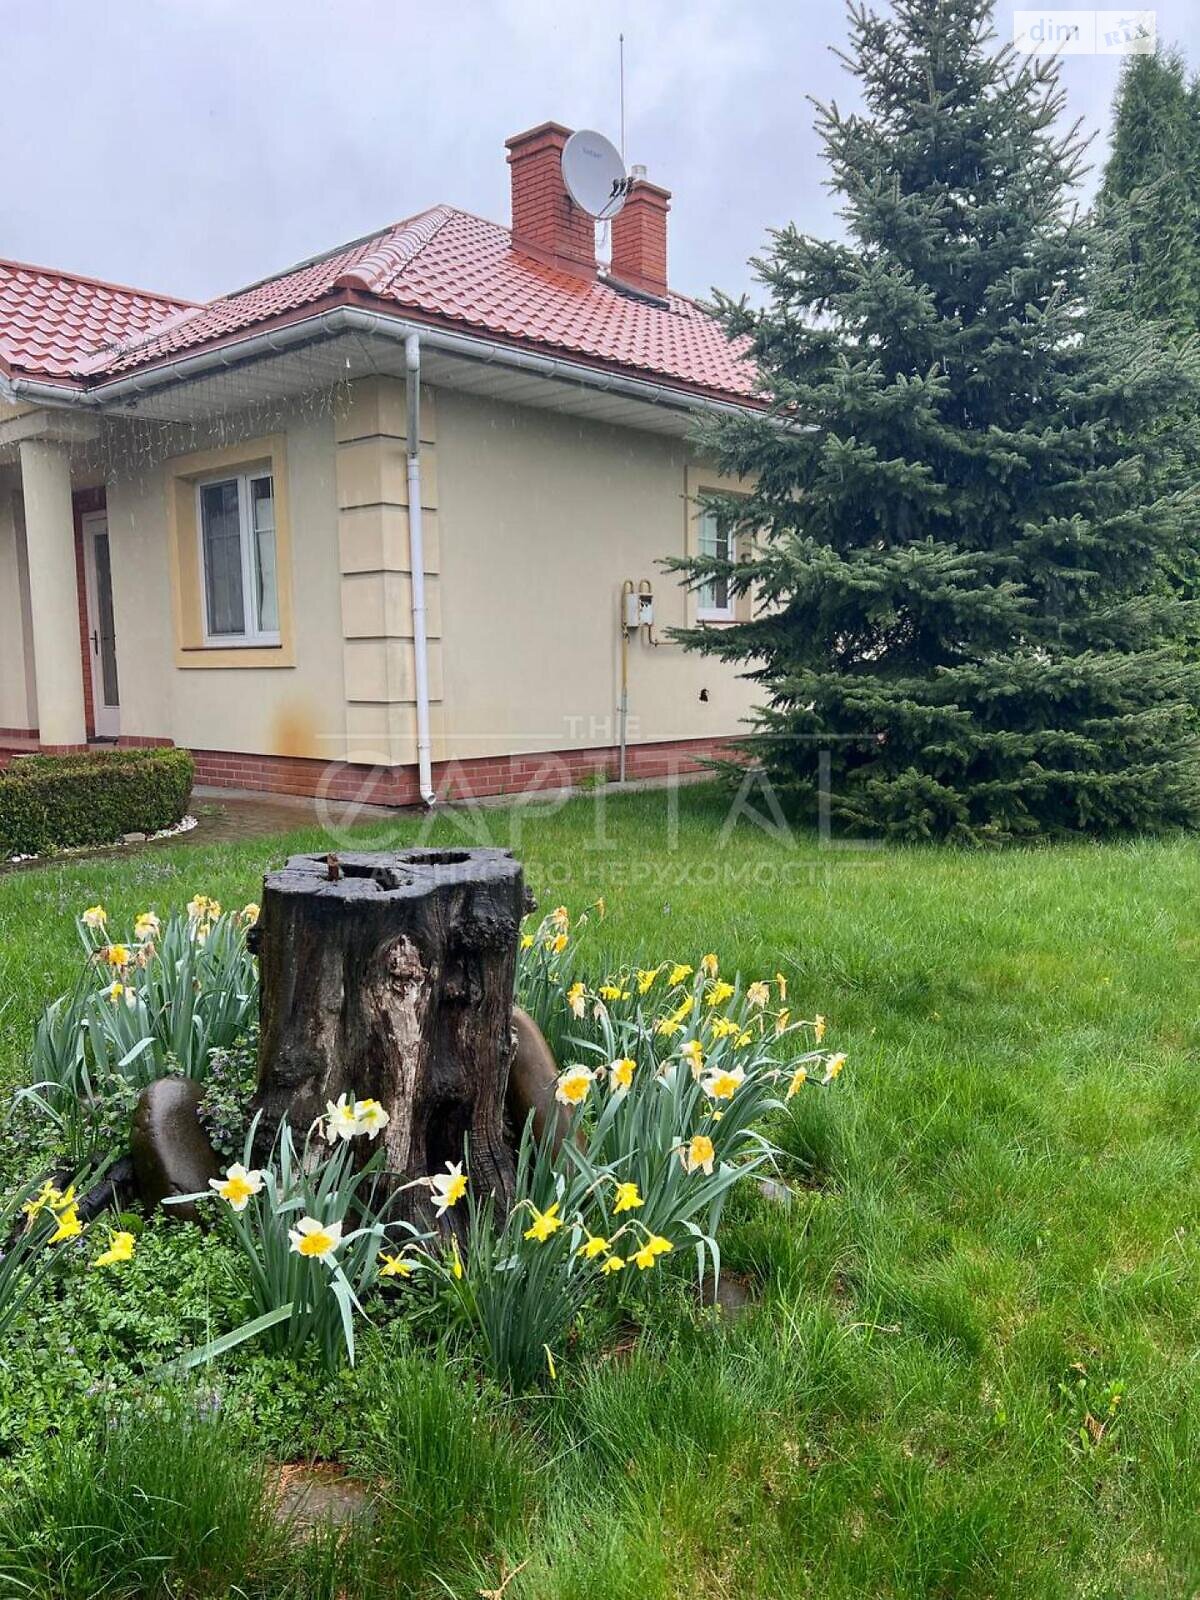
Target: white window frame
{"type": "Point", "coordinates": [713, 613]}
{"type": "Point", "coordinates": [253, 637]}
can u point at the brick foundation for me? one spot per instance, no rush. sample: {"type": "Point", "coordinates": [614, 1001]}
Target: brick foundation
{"type": "Point", "coordinates": [452, 780]}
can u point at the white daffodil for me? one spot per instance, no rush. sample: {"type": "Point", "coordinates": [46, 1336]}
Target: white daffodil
{"type": "Point", "coordinates": [448, 1187]}
{"type": "Point", "coordinates": [237, 1186]}
{"type": "Point", "coordinates": [341, 1119]}
{"type": "Point", "coordinates": [723, 1082]}
{"type": "Point", "coordinates": [573, 1086]}
{"type": "Point", "coordinates": [315, 1239]}
{"type": "Point", "coordinates": [94, 918]}
{"type": "Point", "coordinates": [370, 1118]}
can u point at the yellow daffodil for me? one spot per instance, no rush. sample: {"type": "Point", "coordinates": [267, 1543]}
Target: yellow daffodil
{"type": "Point", "coordinates": [340, 1119]}
{"type": "Point", "coordinates": [612, 991]}
{"type": "Point", "coordinates": [743, 1039]}
{"type": "Point", "coordinates": [456, 1266]}
{"type": "Point", "coordinates": [576, 998]}
{"type": "Point", "coordinates": [94, 918]}
{"type": "Point", "coordinates": [819, 1028]}
{"type": "Point", "coordinates": [558, 943]}
{"type": "Point", "coordinates": [146, 926]}
{"type": "Point", "coordinates": [719, 993]}
{"type": "Point", "coordinates": [593, 1246]}
{"type": "Point", "coordinates": [394, 1266]}
{"type": "Point", "coordinates": [69, 1225]}
{"type": "Point", "coordinates": [646, 977]}
{"type": "Point", "coordinates": [601, 908]}
{"type": "Point", "coordinates": [120, 1249]}
{"type": "Point", "coordinates": [448, 1187]}
{"type": "Point", "coordinates": [117, 955]}
{"type": "Point", "coordinates": [682, 1011]}
{"type": "Point", "coordinates": [679, 973]}
{"type": "Point", "coordinates": [573, 1086]}
{"type": "Point", "coordinates": [114, 991]}
{"type": "Point", "coordinates": [613, 1264]}
{"type": "Point", "coordinates": [833, 1068]}
{"type": "Point", "coordinates": [781, 984]}
{"type": "Point", "coordinates": [249, 913]}
{"type": "Point", "coordinates": [628, 1198]}
{"type": "Point", "coordinates": [799, 1079]}
{"type": "Point", "coordinates": [668, 1027]}
{"type": "Point", "coordinates": [698, 1155]}
{"type": "Point", "coordinates": [722, 1027]}
{"type": "Point", "coordinates": [371, 1118]}
{"type": "Point", "coordinates": [723, 1082]}
{"type": "Point", "coordinates": [316, 1240]}
{"type": "Point", "coordinates": [709, 965]}
{"type": "Point", "coordinates": [48, 1196]}
{"type": "Point", "coordinates": [201, 909]}
{"type": "Point", "coordinates": [526, 941]}
{"type": "Point", "coordinates": [693, 1053]}
{"type": "Point", "coordinates": [544, 1223]}
{"type": "Point", "coordinates": [560, 918]}
{"type": "Point", "coordinates": [654, 1247]}
{"type": "Point", "coordinates": [550, 1367]}
{"type": "Point", "coordinates": [620, 1075]}
{"type": "Point", "coordinates": [758, 994]}
{"type": "Point", "coordinates": [782, 1019]}
{"type": "Point", "coordinates": [238, 1186]}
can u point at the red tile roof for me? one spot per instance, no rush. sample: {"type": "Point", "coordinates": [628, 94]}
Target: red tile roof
{"type": "Point", "coordinates": [456, 270]}
{"type": "Point", "coordinates": [50, 320]}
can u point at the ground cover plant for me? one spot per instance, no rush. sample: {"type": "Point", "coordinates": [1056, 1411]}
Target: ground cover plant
{"type": "Point", "coordinates": [969, 1366]}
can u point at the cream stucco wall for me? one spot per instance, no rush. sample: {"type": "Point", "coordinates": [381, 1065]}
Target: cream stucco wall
{"type": "Point", "coordinates": [541, 519]}
{"type": "Point", "coordinates": [285, 711]}
{"type": "Point", "coordinates": [18, 703]}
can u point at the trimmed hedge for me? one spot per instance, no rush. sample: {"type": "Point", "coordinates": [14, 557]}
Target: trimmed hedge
{"type": "Point", "coordinates": [54, 802]}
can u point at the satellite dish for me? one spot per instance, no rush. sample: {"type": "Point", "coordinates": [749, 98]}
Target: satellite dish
{"type": "Point", "coordinates": [594, 174]}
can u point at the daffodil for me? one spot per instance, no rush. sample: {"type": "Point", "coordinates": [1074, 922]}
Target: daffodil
{"type": "Point", "coordinates": [620, 1075]}
{"type": "Point", "coordinates": [613, 991]}
{"type": "Point", "coordinates": [69, 1225]}
{"type": "Point", "coordinates": [628, 1198]}
{"type": "Point", "coordinates": [249, 913]}
{"type": "Point", "coordinates": [601, 907]}
{"type": "Point", "coordinates": [94, 918]}
{"type": "Point", "coordinates": [117, 955]}
{"type": "Point", "coordinates": [646, 977]}
{"type": "Point", "coordinates": [573, 1086]}
{"type": "Point", "coordinates": [47, 1196]}
{"type": "Point", "coordinates": [341, 1121]}
{"type": "Point", "coordinates": [114, 991]}
{"type": "Point", "coordinates": [316, 1240]}
{"type": "Point", "coordinates": [668, 1027]}
{"type": "Point", "coordinates": [448, 1187]}
{"type": "Point", "coordinates": [782, 1019]}
{"type": "Point", "coordinates": [698, 1155]}
{"type": "Point", "coordinates": [593, 1246]}
{"type": "Point", "coordinates": [781, 984]}
{"type": "Point", "coordinates": [558, 943]}
{"type": "Point", "coordinates": [526, 941]}
{"type": "Point", "coordinates": [709, 965]}
{"type": "Point", "coordinates": [394, 1266]}
{"type": "Point", "coordinates": [120, 1248]}
{"type": "Point", "coordinates": [544, 1223]}
{"type": "Point", "coordinates": [654, 1247]}
{"type": "Point", "coordinates": [576, 999]}
{"type": "Point", "coordinates": [723, 1027]}
{"type": "Point", "coordinates": [719, 993]}
{"type": "Point", "coordinates": [693, 1053]}
{"type": "Point", "coordinates": [682, 1011]}
{"type": "Point", "coordinates": [146, 926]}
{"type": "Point", "coordinates": [370, 1117]}
{"type": "Point", "coordinates": [201, 909]}
{"type": "Point", "coordinates": [238, 1186]}
{"type": "Point", "coordinates": [833, 1068]}
{"type": "Point", "coordinates": [723, 1082]}
{"type": "Point", "coordinates": [613, 1264]}
{"type": "Point", "coordinates": [679, 973]}
{"type": "Point", "coordinates": [819, 1027]}
{"type": "Point", "coordinates": [550, 1367]}
{"type": "Point", "coordinates": [758, 994]}
{"type": "Point", "coordinates": [560, 918]}
{"type": "Point", "coordinates": [456, 1266]}
{"type": "Point", "coordinates": [799, 1079]}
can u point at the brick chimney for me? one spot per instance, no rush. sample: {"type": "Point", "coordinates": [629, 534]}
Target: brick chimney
{"type": "Point", "coordinates": [639, 238]}
{"type": "Point", "coordinates": [546, 222]}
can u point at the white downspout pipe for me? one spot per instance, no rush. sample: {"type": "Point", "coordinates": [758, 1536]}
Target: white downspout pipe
{"type": "Point", "coordinates": [416, 553]}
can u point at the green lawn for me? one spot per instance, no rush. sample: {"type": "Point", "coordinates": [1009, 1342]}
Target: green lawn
{"type": "Point", "coordinates": [972, 1369]}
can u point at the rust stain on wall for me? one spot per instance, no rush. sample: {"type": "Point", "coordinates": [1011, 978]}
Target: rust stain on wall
{"type": "Point", "coordinates": [294, 731]}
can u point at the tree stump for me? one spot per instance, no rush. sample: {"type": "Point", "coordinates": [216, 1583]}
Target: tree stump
{"type": "Point", "coordinates": [390, 976]}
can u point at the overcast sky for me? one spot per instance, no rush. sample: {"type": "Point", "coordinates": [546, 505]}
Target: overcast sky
{"type": "Point", "coordinates": [193, 146]}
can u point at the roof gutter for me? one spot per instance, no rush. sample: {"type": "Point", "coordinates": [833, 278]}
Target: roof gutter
{"type": "Point", "coordinates": [357, 319]}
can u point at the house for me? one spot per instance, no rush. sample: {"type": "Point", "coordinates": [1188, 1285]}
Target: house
{"type": "Point", "coordinates": [213, 532]}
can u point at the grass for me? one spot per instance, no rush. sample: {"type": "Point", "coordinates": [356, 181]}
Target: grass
{"type": "Point", "coordinates": [972, 1370]}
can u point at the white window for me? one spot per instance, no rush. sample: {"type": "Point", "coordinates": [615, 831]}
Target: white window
{"type": "Point", "coordinates": [236, 519]}
{"type": "Point", "coordinates": [714, 603]}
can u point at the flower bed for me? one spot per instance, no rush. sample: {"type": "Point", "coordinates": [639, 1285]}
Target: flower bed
{"type": "Point", "coordinates": [61, 802]}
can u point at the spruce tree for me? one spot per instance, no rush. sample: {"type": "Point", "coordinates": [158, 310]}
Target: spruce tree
{"type": "Point", "coordinates": [1154, 168]}
{"type": "Point", "coordinates": [953, 539]}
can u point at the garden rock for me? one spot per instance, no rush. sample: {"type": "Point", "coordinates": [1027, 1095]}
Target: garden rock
{"type": "Point", "coordinates": [171, 1151]}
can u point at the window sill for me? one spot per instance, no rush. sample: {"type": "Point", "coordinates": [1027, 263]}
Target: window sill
{"type": "Point", "coordinates": [235, 655]}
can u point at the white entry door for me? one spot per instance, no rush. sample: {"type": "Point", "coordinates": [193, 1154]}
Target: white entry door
{"type": "Point", "coordinates": [102, 638]}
